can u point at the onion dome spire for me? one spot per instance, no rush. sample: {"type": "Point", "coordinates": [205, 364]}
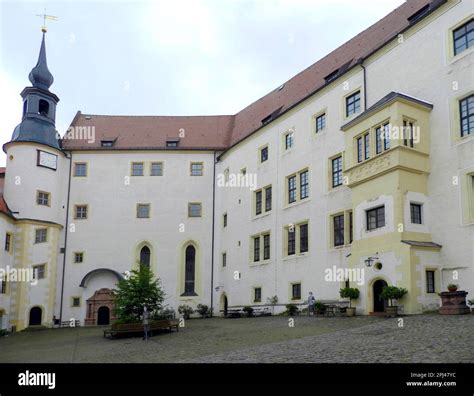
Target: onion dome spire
{"type": "Point", "coordinates": [40, 76]}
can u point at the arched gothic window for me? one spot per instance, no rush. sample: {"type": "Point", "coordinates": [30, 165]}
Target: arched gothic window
{"type": "Point", "coordinates": [189, 271]}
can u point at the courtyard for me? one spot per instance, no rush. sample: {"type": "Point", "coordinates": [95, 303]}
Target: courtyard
{"type": "Point", "coordinates": [428, 338]}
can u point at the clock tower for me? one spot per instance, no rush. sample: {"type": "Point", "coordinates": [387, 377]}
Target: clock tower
{"type": "Point", "coordinates": [35, 191]}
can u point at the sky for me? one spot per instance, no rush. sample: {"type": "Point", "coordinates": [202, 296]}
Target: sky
{"type": "Point", "coordinates": [175, 57]}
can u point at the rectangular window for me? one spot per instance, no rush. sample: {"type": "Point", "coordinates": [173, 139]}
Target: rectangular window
{"type": "Point", "coordinates": [378, 140]}
{"type": "Point", "coordinates": [268, 199]}
{"type": "Point", "coordinates": [296, 291]}
{"type": "Point", "coordinates": [338, 225]}
{"type": "Point", "coordinates": [3, 286]}
{"type": "Point", "coordinates": [408, 133]}
{"type": "Point", "coordinates": [257, 294]}
{"type": "Point", "coordinates": [224, 260]}
{"type": "Point", "coordinates": [291, 189]}
{"type": "Point", "coordinates": [366, 146]}
{"type": "Point", "coordinates": [351, 232]}
{"type": "Point", "coordinates": [256, 249]}
{"type": "Point", "coordinates": [80, 169]}
{"type": "Point", "coordinates": [194, 209]}
{"type": "Point", "coordinates": [430, 282]}
{"type": "Point", "coordinates": [337, 171]}
{"type": "Point", "coordinates": [415, 213]}
{"type": "Point", "coordinates": [266, 247]}
{"type": "Point", "coordinates": [42, 198]}
{"type": "Point", "coordinates": [197, 168]}
{"type": "Point", "coordinates": [353, 104]}
{"type": "Point", "coordinates": [291, 240]}
{"type": "Point", "coordinates": [304, 185]}
{"type": "Point", "coordinates": [289, 140]}
{"type": "Point", "coordinates": [258, 202]}
{"type": "Point", "coordinates": [39, 271]}
{"type": "Point", "coordinates": [8, 242]}
{"type": "Point", "coordinates": [156, 169]}
{"type": "Point", "coordinates": [224, 219]}
{"type": "Point", "coordinates": [386, 137]}
{"type": "Point", "coordinates": [264, 154]}
{"type": "Point", "coordinates": [137, 169]}
{"type": "Point", "coordinates": [359, 149]}
{"type": "Point", "coordinates": [320, 122]}
{"type": "Point", "coordinates": [78, 257]}
{"type": "Point", "coordinates": [303, 238]}
{"type": "Point", "coordinates": [80, 212]}
{"type": "Point", "coordinates": [76, 302]}
{"type": "Point", "coordinates": [466, 110]}
{"type": "Point", "coordinates": [143, 211]}
{"type": "Point", "coordinates": [376, 218]}
{"type": "Point", "coordinates": [463, 37]}
{"type": "Point", "coordinates": [41, 235]}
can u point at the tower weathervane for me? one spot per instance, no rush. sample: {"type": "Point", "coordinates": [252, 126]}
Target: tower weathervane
{"type": "Point", "coordinates": [46, 16]}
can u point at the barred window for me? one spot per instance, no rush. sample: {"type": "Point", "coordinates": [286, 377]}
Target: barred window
{"type": "Point", "coordinates": [197, 169]}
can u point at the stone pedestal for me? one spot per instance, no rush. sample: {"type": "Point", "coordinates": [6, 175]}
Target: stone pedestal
{"type": "Point", "coordinates": [453, 303]}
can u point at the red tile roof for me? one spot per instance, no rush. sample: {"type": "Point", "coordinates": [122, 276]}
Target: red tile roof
{"type": "Point", "coordinates": [221, 132]}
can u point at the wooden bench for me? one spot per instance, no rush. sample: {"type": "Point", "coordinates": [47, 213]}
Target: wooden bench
{"type": "Point", "coordinates": [135, 328]}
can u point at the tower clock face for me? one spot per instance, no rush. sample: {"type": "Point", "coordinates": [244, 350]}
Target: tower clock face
{"type": "Point", "coordinates": [47, 160]}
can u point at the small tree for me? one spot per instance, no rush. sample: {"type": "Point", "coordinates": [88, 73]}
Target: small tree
{"type": "Point", "coordinates": [391, 293]}
{"type": "Point", "coordinates": [135, 292]}
{"type": "Point", "coordinates": [273, 301]}
{"type": "Point", "coordinates": [350, 293]}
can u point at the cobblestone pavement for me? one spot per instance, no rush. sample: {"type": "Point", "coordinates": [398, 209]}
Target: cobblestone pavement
{"type": "Point", "coordinates": [423, 338]}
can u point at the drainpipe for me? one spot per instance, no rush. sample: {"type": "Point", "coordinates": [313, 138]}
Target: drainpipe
{"type": "Point", "coordinates": [213, 224]}
{"type": "Point", "coordinates": [65, 239]}
{"type": "Point", "coordinates": [361, 63]}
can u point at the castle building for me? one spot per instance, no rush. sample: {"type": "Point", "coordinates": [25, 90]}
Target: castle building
{"type": "Point", "coordinates": [358, 171]}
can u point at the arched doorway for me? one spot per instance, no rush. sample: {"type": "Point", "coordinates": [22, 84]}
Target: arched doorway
{"type": "Point", "coordinates": [379, 303]}
{"type": "Point", "coordinates": [102, 298]}
{"type": "Point", "coordinates": [103, 316]}
{"type": "Point", "coordinates": [224, 304]}
{"type": "Point", "coordinates": [35, 316]}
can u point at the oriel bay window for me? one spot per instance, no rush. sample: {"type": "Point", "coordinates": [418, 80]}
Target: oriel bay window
{"type": "Point", "coordinates": [260, 245]}
{"type": "Point", "coordinates": [297, 186]}
{"type": "Point", "coordinates": [296, 239]}
{"type": "Point", "coordinates": [363, 147]}
{"type": "Point", "coordinates": [408, 133]}
{"type": "Point", "coordinates": [382, 138]}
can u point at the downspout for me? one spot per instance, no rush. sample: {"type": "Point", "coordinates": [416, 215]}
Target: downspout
{"type": "Point", "coordinates": [65, 239]}
{"type": "Point", "coordinates": [361, 63]}
{"type": "Point", "coordinates": [213, 224]}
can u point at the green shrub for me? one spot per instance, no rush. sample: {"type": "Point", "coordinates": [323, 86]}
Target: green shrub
{"type": "Point", "coordinates": [319, 307]}
{"type": "Point", "coordinates": [186, 311]}
{"type": "Point", "coordinates": [203, 310]}
{"type": "Point", "coordinates": [291, 309]}
{"type": "Point", "coordinates": [391, 293]}
{"type": "Point", "coordinates": [248, 310]}
{"type": "Point", "coordinates": [350, 293]}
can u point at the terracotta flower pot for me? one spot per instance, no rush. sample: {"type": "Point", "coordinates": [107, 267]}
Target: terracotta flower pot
{"type": "Point", "coordinates": [350, 311]}
{"type": "Point", "coordinates": [452, 289]}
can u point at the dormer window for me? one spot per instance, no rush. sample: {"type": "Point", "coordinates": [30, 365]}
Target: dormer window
{"type": "Point", "coordinates": [43, 107]}
{"type": "Point", "coordinates": [106, 143]}
{"type": "Point", "coordinates": [172, 142]}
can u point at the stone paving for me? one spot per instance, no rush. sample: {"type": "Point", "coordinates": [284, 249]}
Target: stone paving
{"type": "Point", "coordinates": [423, 338]}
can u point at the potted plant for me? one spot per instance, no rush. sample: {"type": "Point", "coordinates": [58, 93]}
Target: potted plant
{"type": "Point", "coordinates": [186, 311]}
{"type": "Point", "coordinates": [203, 310]}
{"type": "Point", "coordinates": [248, 310]}
{"type": "Point", "coordinates": [452, 287]}
{"type": "Point", "coordinates": [352, 294]}
{"type": "Point", "coordinates": [291, 309]}
{"type": "Point", "coordinates": [391, 293]}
